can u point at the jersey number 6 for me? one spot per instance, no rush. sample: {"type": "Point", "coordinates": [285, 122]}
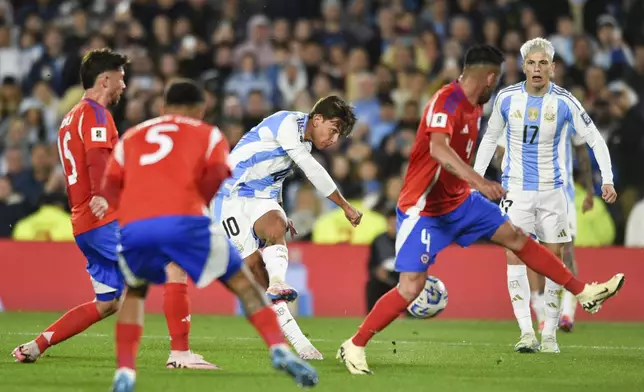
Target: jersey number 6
{"type": "Point", "coordinates": [155, 135]}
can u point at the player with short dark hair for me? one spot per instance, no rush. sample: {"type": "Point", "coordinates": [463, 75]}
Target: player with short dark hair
{"type": "Point", "coordinates": [437, 207]}
{"type": "Point", "coordinates": [86, 138]}
{"type": "Point", "coordinates": [161, 176]}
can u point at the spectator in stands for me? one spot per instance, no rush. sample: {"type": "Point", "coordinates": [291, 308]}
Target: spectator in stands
{"type": "Point", "coordinates": [382, 276]}
{"type": "Point", "coordinates": [12, 207]}
{"type": "Point", "coordinates": [307, 208]}
{"type": "Point", "coordinates": [595, 228]}
{"type": "Point", "coordinates": [635, 226]}
{"type": "Point", "coordinates": [49, 223]}
{"type": "Point", "coordinates": [31, 182]}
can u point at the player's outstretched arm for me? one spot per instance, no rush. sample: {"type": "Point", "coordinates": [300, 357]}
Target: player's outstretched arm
{"type": "Point", "coordinates": [443, 153]}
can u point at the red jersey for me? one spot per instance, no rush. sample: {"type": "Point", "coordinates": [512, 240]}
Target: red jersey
{"type": "Point", "coordinates": [89, 125]}
{"type": "Point", "coordinates": [161, 168]}
{"type": "Point", "coordinates": [428, 189]}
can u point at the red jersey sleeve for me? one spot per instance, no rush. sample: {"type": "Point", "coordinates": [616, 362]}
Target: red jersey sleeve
{"type": "Point", "coordinates": [112, 182]}
{"type": "Point", "coordinates": [438, 117]}
{"type": "Point", "coordinates": [216, 169]}
{"type": "Point", "coordinates": [97, 128]}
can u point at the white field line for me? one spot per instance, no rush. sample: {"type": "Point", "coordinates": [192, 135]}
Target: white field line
{"type": "Point", "coordinates": [420, 342]}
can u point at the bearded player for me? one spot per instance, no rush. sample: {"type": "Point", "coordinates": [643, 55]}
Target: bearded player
{"type": "Point", "coordinates": [437, 208]}
{"type": "Point", "coordinates": [539, 117]}
{"type": "Point", "coordinates": [86, 137]}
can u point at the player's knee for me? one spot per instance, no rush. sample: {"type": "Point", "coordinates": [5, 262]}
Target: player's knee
{"type": "Point", "coordinates": [271, 228]}
{"type": "Point", "coordinates": [108, 308]}
{"type": "Point", "coordinates": [175, 274]}
{"type": "Point", "coordinates": [411, 284]}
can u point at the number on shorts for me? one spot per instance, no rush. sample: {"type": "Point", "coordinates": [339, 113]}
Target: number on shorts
{"type": "Point", "coordinates": [506, 204]}
{"type": "Point", "coordinates": [231, 227]}
{"type": "Point", "coordinates": [65, 153]}
{"type": "Point", "coordinates": [425, 238]}
{"type": "Point", "coordinates": [155, 135]}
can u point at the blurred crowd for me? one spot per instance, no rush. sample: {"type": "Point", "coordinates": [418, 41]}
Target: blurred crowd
{"type": "Point", "coordinates": [254, 57]}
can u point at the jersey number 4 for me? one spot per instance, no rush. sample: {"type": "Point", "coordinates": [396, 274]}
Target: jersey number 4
{"type": "Point", "coordinates": [156, 135]}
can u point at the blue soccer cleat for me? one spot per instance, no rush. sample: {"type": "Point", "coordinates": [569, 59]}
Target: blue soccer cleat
{"type": "Point", "coordinates": [283, 359]}
{"type": "Point", "coordinates": [280, 291]}
{"type": "Point", "coordinates": [124, 380]}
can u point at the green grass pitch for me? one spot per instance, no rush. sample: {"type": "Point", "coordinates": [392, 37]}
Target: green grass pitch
{"type": "Point", "coordinates": [412, 355]}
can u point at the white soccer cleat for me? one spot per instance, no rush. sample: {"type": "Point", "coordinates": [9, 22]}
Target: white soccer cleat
{"type": "Point", "coordinates": [549, 344]}
{"type": "Point", "coordinates": [26, 353]}
{"type": "Point", "coordinates": [280, 291]}
{"type": "Point", "coordinates": [124, 380]}
{"type": "Point", "coordinates": [310, 353]}
{"type": "Point", "coordinates": [594, 294]}
{"type": "Point", "coordinates": [354, 358]}
{"type": "Point", "coordinates": [188, 360]}
{"type": "Point", "coordinates": [527, 344]}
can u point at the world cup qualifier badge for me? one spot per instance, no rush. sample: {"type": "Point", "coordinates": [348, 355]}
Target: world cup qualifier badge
{"type": "Point", "coordinates": [424, 258]}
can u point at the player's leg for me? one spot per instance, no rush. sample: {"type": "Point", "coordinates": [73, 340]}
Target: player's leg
{"type": "Point", "coordinates": [537, 288]}
{"type": "Point", "coordinates": [129, 328]}
{"type": "Point", "coordinates": [288, 324]}
{"type": "Point", "coordinates": [569, 301]}
{"type": "Point", "coordinates": [418, 241]}
{"type": "Point", "coordinates": [176, 307]}
{"type": "Point", "coordinates": [99, 247]}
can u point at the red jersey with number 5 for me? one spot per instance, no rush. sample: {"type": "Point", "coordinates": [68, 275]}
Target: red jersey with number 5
{"type": "Point", "coordinates": [429, 189]}
{"type": "Point", "coordinates": [88, 125]}
{"type": "Point", "coordinates": [160, 166]}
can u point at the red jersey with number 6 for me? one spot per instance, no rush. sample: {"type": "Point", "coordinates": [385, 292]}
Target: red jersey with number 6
{"type": "Point", "coordinates": [429, 189]}
{"type": "Point", "coordinates": [161, 168]}
{"type": "Point", "coordinates": [88, 125]}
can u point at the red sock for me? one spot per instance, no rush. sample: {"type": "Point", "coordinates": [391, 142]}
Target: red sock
{"type": "Point", "coordinates": [72, 323]}
{"type": "Point", "coordinates": [176, 306]}
{"type": "Point", "coordinates": [265, 322]}
{"type": "Point", "coordinates": [544, 262]}
{"type": "Point", "coordinates": [386, 310]}
{"type": "Point", "coordinates": [128, 337]}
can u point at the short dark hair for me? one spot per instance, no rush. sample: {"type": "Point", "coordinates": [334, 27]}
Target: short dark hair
{"type": "Point", "coordinates": [97, 61]}
{"type": "Point", "coordinates": [483, 55]}
{"type": "Point", "coordinates": [183, 92]}
{"type": "Point", "coordinates": [335, 108]}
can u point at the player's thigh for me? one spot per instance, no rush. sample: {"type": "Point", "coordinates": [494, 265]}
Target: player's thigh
{"type": "Point", "coordinates": [520, 207]}
{"type": "Point", "coordinates": [552, 217]}
{"type": "Point", "coordinates": [140, 255]}
{"type": "Point", "coordinates": [203, 251]}
{"type": "Point", "coordinates": [99, 246]}
{"type": "Point", "coordinates": [476, 219]}
{"type": "Point", "coordinates": [234, 218]}
{"type": "Point", "coordinates": [268, 218]}
{"type": "Point", "coordinates": [418, 240]}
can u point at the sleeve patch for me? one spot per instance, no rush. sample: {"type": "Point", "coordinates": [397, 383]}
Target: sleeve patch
{"type": "Point", "coordinates": [586, 118]}
{"type": "Point", "coordinates": [439, 120]}
{"type": "Point", "coordinates": [99, 134]}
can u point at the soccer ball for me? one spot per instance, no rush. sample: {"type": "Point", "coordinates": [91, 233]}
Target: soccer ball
{"type": "Point", "coordinates": [431, 301]}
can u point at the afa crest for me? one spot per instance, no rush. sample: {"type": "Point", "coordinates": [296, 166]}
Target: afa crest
{"type": "Point", "coordinates": [550, 117]}
{"type": "Point", "coordinates": [533, 114]}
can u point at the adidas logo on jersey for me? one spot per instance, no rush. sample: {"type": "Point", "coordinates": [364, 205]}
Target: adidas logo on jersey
{"type": "Point", "coordinates": [465, 130]}
{"type": "Point", "coordinates": [516, 114]}
{"type": "Point", "coordinates": [562, 234]}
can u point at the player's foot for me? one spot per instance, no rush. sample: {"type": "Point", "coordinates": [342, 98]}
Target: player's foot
{"type": "Point", "coordinates": [188, 360]}
{"type": "Point", "coordinates": [540, 327]}
{"type": "Point", "coordinates": [566, 324]}
{"type": "Point", "coordinates": [527, 344]}
{"type": "Point", "coordinates": [549, 344]}
{"type": "Point", "coordinates": [280, 291]}
{"type": "Point", "coordinates": [310, 353]}
{"type": "Point", "coordinates": [283, 359]}
{"type": "Point", "coordinates": [26, 353]}
{"type": "Point", "coordinates": [594, 294]}
{"type": "Point", "coordinates": [353, 357]}
{"type": "Point", "coordinates": [124, 380]}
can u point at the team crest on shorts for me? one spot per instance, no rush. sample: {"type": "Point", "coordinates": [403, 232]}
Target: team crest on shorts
{"type": "Point", "coordinates": [533, 114]}
{"type": "Point", "coordinates": [424, 258]}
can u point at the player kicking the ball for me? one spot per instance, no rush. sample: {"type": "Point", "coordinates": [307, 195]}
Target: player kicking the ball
{"type": "Point", "coordinates": [436, 206]}
{"type": "Point", "coordinates": [85, 139]}
{"type": "Point", "coordinates": [539, 117]}
{"type": "Point", "coordinates": [248, 204]}
{"type": "Point", "coordinates": [161, 176]}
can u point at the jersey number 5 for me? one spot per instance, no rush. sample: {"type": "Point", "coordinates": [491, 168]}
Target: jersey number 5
{"type": "Point", "coordinates": [64, 151]}
{"type": "Point", "coordinates": [156, 135]}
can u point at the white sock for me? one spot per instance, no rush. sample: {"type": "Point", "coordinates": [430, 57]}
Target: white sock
{"type": "Point", "coordinates": [519, 289]}
{"type": "Point", "coordinates": [537, 300]}
{"type": "Point", "coordinates": [289, 326]}
{"type": "Point", "coordinates": [553, 308]}
{"type": "Point", "coordinates": [276, 260]}
{"type": "Point", "coordinates": [569, 305]}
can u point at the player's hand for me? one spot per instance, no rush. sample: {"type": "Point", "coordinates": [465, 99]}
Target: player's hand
{"type": "Point", "coordinates": [492, 190]}
{"type": "Point", "coordinates": [99, 206]}
{"type": "Point", "coordinates": [354, 216]}
{"type": "Point", "coordinates": [588, 203]}
{"type": "Point", "coordinates": [291, 228]}
{"type": "Point", "coordinates": [608, 193]}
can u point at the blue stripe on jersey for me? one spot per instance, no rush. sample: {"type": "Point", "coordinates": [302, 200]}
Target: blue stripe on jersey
{"type": "Point", "coordinates": [565, 93]}
{"type": "Point", "coordinates": [505, 109]}
{"type": "Point", "coordinates": [99, 112]}
{"type": "Point", "coordinates": [506, 90]}
{"type": "Point", "coordinates": [251, 137]}
{"type": "Point", "coordinates": [249, 192]}
{"type": "Point", "coordinates": [563, 117]}
{"type": "Point", "coordinates": [262, 156]}
{"type": "Point", "coordinates": [530, 146]}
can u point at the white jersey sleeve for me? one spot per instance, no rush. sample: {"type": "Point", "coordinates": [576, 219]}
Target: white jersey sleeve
{"type": "Point", "coordinates": [290, 137]}
{"type": "Point", "coordinates": [495, 127]}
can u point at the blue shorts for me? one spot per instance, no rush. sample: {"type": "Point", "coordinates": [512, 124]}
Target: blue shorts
{"type": "Point", "coordinates": [99, 247]}
{"type": "Point", "coordinates": [148, 245]}
{"type": "Point", "coordinates": [420, 238]}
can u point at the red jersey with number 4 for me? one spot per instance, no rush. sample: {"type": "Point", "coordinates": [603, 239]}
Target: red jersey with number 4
{"type": "Point", "coordinates": [88, 125]}
{"type": "Point", "coordinates": [160, 166]}
{"type": "Point", "coordinates": [429, 189]}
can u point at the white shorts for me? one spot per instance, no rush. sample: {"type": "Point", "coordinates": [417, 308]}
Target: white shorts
{"type": "Point", "coordinates": [238, 215]}
{"type": "Point", "coordinates": [572, 218]}
{"type": "Point", "coordinates": [542, 213]}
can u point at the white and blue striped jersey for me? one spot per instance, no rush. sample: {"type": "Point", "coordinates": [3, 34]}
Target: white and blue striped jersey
{"type": "Point", "coordinates": [537, 133]}
{"type": "Point", "coordinates": [260, 161]}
